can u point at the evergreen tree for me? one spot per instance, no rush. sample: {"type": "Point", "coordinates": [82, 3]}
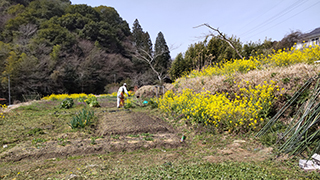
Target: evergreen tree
{"type": "Point", "coordinates": [179, 67]}
{"type": "Point", "coordinates": [143, 46]}
{"type": "Point", "coordinates": [161, 54]}
{"type": "Point", "coordinates": [141, 39]}
{"type": "Point", "coordinates": [147, 43]}
{"type": "Point", "coordinates": [137, 33]}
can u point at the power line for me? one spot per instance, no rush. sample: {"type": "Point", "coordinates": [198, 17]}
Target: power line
{"type": "Point", "coordinates": [260, 16]}
{"type": "Point", "coordinates": [285, 19]}
{"type": "Point", "coordinates": [275, 17]}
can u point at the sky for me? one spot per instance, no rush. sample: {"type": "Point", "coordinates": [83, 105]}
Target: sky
{"type": "Point", "coordinates": [247, 20]}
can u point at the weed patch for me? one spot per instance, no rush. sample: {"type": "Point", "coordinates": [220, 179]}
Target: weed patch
{"type": "Point", "coordinates": [82, 119]}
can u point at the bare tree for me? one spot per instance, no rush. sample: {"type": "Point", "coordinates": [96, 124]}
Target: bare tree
{"type": "Point", "coordinates": [222, 36]}
{"type": "Point", "coordinates": [150, 59]}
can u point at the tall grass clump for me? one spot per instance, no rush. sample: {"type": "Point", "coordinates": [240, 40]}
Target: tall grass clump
{"type": "Point", "coordinates": [81, 119]}
{"type": "Point", "coordinates": [302, 131]}
{"type": "Point", "coordinates": [225, 112]}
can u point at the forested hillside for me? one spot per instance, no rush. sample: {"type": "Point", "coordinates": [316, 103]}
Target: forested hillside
{"type": "Point", "coordinates": [55, 47]}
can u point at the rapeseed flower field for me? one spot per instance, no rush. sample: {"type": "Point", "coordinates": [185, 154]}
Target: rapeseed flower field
{"type": "Point", "coordinates": [243, 112]}
{"type": "Point", "coordinates": [64, 96]}
{"type": "Point", "coordinates": [277, 59]}
{"type": "Point", "coordinates": [226, 112]}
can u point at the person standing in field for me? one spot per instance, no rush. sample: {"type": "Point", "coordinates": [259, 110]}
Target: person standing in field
{"type": "Point", "coordinates": [120, 95]}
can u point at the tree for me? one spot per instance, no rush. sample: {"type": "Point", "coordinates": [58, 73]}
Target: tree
{"type": "Point", "coordinates": [111, 16]}
{"type": "Point", "coordinates": [84, 10]}
{"type": "Point", "coordinates": [46, 9]}
{"type": "Point", "coordinates": [162, 53]}
{"type": "Point", "coordinates": [223, 37]}
{"type": "Point", "coordinates": [137, 34]}
{"type": "Point", "coordinates": [179, 67]}
{"type": "Point", "coordinates": [55, 34]}
{"type": "Point", "coordinates": [71, 21]}
{"type": "Point", "coordinates": [160, 60]}
{"type": "Point", "coordinates": [289, 40]}
{"type": "Point", "coordinates": [142, 46]}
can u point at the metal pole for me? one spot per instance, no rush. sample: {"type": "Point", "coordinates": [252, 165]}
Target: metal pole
{"type": "Point", "coordinates": [9, 89]}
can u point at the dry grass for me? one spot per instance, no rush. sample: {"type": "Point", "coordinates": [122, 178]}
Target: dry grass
{"type": "Point", "coordinates": [296, 74]}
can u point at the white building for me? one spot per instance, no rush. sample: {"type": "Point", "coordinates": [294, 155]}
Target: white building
{"type": "Point", "coordinates": [309, 39]}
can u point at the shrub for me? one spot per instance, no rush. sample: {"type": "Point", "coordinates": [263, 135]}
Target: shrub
{"type": "Point", "coordinates": [81, 119]}
{"type": "Point", "coordinates": [128, 104]}
{"type": "Point", "coordinates": [92, 101]}
{"type": "Point", "coordinates": [67, 103]}
{"type": "Point", "coordinates": [153, 103]}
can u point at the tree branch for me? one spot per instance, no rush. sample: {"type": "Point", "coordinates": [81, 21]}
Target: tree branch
{"type": "Point", "coordinates": [149, 61]}
{"type": "Point", "coordinates": [223, 37]}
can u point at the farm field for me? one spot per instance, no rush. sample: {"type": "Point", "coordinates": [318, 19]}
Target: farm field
{"type": "Point", "coordinates": [138, 143]}
{"type": "Point", "coordinates": [219, 110]}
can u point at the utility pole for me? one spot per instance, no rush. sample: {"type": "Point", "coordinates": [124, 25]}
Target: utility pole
{"type": "Point", "coordinates": [9, 89]}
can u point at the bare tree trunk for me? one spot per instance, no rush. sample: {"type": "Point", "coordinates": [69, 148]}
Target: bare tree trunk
{"type": "Point", "coordinates": [149, 60]}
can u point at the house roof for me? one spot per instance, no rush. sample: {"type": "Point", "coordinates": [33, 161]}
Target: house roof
{"type": "Point", "coordinates": [314, 33]}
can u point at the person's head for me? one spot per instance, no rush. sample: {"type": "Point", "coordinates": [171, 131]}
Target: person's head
{"type": "Point", "coordinates": [125, 84]}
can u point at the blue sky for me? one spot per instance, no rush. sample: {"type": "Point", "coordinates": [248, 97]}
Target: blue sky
{"type": "Point", "coordinates": [248, 20]}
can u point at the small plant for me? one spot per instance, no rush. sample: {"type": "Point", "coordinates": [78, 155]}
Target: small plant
{"type": "Point", "coordinates": [117, 136]}
{"type": "Point", "coordinates": [273, 74]}
{"type": "Point", "coordinates": [62, 141]}
{"type": "Point", "coordinates": [128, 104]}
{"type": "Point", "coordinates": [82, 119]}
{"type": "Point", "coordinates": [269, 139]}
{"type": "Point", "coordinates": [38, 142]}
{"type": "Point", "coordinates": [286, 80]}
{"type": "Point", "coordinates": [92, 101]}
{"type": "Point", "coordinates": [134, 135]}
{"type": "Point", "coordinates": [67, 103]}
{"type": "Point", "coordinates": [93, 140]}
{"type": "Point", "coordinates": [35, 131]}
{"type": "Point", "coordinates": [147, 136]}
{"type": "Point", "coordinates": [153, 103]}
{"type": "Point", "coordinates": [81, 99]}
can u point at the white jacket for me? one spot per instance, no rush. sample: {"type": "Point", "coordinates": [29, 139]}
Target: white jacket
{"type": "Point", "coordinates": [122, 88]}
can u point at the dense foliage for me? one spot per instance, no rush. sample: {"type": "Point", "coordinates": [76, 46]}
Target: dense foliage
{"type": "Point", "coordinates": [57, 47]}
